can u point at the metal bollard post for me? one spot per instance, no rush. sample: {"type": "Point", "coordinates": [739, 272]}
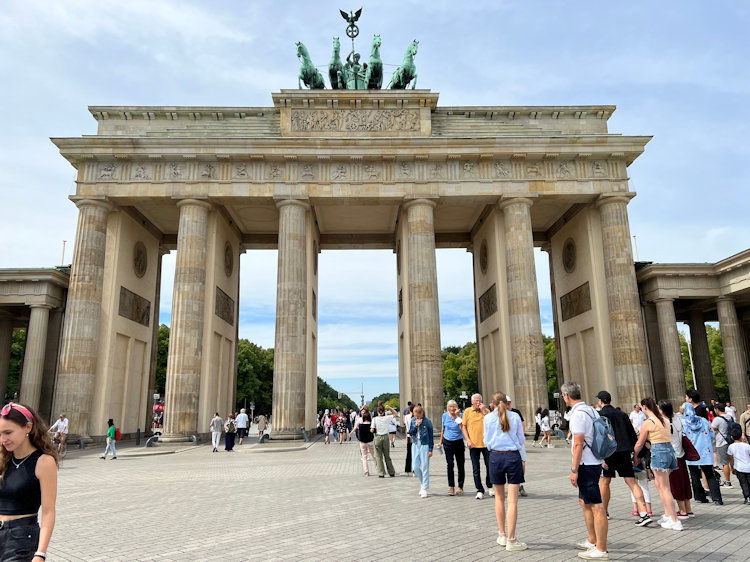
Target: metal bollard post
{"type": "Point", "coordinates": [138, 437]}
{"type": "Point", "coordinates": [304, 435]}
{"type": "Point", "coordinates": [263, 438]}
{"type": "Point", "coordinates": [81, 444]}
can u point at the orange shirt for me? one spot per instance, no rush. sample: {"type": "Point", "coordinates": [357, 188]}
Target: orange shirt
{"type": "Point", "coordinates": [473, 421]}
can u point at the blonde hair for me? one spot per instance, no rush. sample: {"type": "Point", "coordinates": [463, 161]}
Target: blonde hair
{"type": "Point", "coordinates": [418, 410]}
{"type": "Point", "coordinates": [500, 401]}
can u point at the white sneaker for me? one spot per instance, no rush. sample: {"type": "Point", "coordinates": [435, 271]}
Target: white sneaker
{"type": "Point", "coordinates": [585, 545]}
{"type": "Point", "coordinates": [480, 495]}
{"type": "Point", "coordinates": [594, 554]}
{"type": "Point", "coordinates": [502, 540]}
{"type": "Point", "coordinates": [662, 519]}
{"type": "Point", "coordinates": [550, 446]}
{"type": "Point", "coordinates": [672, 525]}
{"type": "Point", "coordinates": [421, 489]}
{"type": "Point", "coordinates": [492, 492]}
{"type": "Point", "coordinates": [515, 544]}
{"type": "Point", "coordinates": [423, 493]}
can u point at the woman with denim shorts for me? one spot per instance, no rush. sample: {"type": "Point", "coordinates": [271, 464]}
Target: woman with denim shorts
{"type": "Point", "coordinates": [656, 429]}
{"type": "Point", "coordinates": [28, 470]}
{"type": "Point", "coordinates": [504, 438]}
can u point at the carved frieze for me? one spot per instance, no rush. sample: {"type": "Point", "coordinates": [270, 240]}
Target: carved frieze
{"type": "Point", "coordinates": [141, 172]}
{"type": "Point", "coordinates": [307, 171]}
{"type": "Point", "coordinates": [351, 120]}
{"type": "Point", "coordinates": [339, 172]}
{"type": "Point", "coordinates": [488, 303]}
{"type": "Point", "coordinates": [564, 169]}
{"type": "Point", "coordinates": [437, 171]}
{"type": "Point", "coordinates": [502, 170]}
{"type": "Point", "coordinates": [208, 171]}
{"type": "Point", "coordinates": [404, 171]}
{"type": "Point", "coordinates": [469, 170]}
{"type": "Point", "coordinates": [107, 171]}
{"type": "Point", "coordinates": [224, 307]}
{"type": "Point", "coordinates": [599, 168]}
{"type": "Point", "coordinates": [534, 170]}
{"type": "Point", "coordinates": [134, 307]}
{"type": "Point", "coordinates": [240, 171]}
{"type": "Point", "coordinates": [575, 302]}
{"type": "Point", "coordinates": [372, 171]}
{"type": "Point", "coordinates": [275, 171]}
{"type": "Point", "coordinates": [175, 171]}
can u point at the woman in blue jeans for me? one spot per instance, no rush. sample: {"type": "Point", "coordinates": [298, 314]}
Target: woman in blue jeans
{"type": "Point", "coordinates": [452, 442]}
{"type": "Point", "coordinates": [421, 448]}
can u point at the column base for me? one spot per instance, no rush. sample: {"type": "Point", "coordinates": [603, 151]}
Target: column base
{"type": "Point", "coordinates": [174, 438]}
{"type": "Point", "coordinates": [286, 435]}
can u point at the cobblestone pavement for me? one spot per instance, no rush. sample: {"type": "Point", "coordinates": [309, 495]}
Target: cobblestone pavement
{"type": "Point", "coordinates": [315, 504]}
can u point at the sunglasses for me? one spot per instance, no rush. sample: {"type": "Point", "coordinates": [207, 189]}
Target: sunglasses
{"type": "Point", "coordinates": [6, 410]}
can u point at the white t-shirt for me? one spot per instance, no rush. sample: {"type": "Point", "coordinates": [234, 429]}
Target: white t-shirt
{"type": "Point", "coordinates": [582, 419]}
{"type": "Point", "coordinates": [741, 453]}
{"type": "Point", "coordinates": [637, 418]}
{"type": "Point", "coordinates": [731, 411]}
{"type": "Point", "coordinates": [242, 420]}
{"type": "Point", "coordinates": [545, 423]}
{"type": "Point", "coordinates": [381, 424]}
{"type": "Point", "coordinates": [60, 425]}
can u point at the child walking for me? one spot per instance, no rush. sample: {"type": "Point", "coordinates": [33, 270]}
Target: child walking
{"type": "Point", "coordinates": [421, 448]}
{"type": "Point", "coordinates": [739, 461]}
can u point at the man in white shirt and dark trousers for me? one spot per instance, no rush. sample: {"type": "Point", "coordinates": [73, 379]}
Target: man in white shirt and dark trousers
{"type": "Point", "coordinates": [243, 424]}
{"type": "Point", "coordinates": [585, 472]}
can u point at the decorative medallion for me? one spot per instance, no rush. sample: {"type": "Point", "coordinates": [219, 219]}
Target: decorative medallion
{"type": "Point", "coordinates": [569, 255]}
{"type": "Point", "coordinates": [140, 259]}
{"type": "Point", "coordinates": [228, 259]}
{"type": "Point", "coordinates": [483, 257]}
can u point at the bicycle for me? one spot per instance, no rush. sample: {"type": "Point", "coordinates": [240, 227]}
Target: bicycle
{"type": "Point", "coordinates": [62, 446]}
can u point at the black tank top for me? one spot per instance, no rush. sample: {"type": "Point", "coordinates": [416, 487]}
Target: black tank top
{"type": "Point", "coordinates": [20, 493]}
{"type": "Point", "coordinates": [365, 435]}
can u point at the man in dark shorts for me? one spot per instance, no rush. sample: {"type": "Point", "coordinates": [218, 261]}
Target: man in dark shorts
{"type": "Point", "coordinates": [585, 470]}
{"type": "Point", "coordinates": [621, 461]}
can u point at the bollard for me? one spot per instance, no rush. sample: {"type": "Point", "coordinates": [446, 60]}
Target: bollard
{"type": "Point", "coordinates": [263, 438]}
{"type": "Point", "coordinates": [304, 435]}
{"type": "Point", "coordinates": [138, 437]}
{"type": "Point", "coordinates": [81, 444]}
{"type": "Point", "coordinates": [194, 440]}
{"type": "Point", "coordinates": [151, 440]}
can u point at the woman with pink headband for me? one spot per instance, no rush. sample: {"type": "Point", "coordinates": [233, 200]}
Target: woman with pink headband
{"type": "Point", "coordinates": [28, 481]}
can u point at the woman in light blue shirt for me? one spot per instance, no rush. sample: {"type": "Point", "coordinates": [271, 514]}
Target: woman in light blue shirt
{"type": "Point", "coordinates": [452, 442]}
{"type": "Point", "coordinates": [504, 438]}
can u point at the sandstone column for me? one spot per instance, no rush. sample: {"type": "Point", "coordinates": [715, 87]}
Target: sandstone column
{"type": "Point", "coordinates": [734, 352]}
{"type": "Point", "coordinates": [704, 376]}
{"type": "Point", "coordinates": [186, 331]}
{"type": "Point", "coordinates": [670, 351]}
{"type": "Point", "coordinates": [33, 359]}
{"type": "Point", "coordinates": [529, 378]}
{"type": "Point", "coordinates": [290, 352]}
{"type": "Point", "coordinates": [6, 340]}
{"type": "Point", "coordinates": [80, 340]}
{"type": "Point", "coordinates": [628, 339]}
{"type": "Point", "coordinates": [424, 315]}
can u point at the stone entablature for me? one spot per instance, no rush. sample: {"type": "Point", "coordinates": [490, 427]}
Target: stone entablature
{"type": "Point", "coordinates": [27, 287]}
{"type": "Point", "coordinates": [696, 281]}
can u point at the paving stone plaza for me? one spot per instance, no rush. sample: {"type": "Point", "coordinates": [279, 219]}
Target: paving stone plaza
{"type": "Point", "coordinates": [313, 503]}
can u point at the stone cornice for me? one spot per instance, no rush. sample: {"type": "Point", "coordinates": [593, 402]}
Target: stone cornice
{"type": "Point", "coordinates": [46, 275]}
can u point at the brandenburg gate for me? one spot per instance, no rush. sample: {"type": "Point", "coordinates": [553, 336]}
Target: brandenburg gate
{"type": "Point", "coordinates": [335, 170]}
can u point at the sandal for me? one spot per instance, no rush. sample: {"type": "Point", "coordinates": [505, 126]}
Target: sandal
{"type": "Point", "coordinates": [451, 491]}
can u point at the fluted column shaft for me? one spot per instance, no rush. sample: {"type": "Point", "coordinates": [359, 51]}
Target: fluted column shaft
{"type": "Point", "coordinates": [186, 331]}
{"type": "Point", "coordinates": [704, 375]}
{"type": "Point", "coordinates": [527, 349]}
{"type": "Point", "coordinates": [6, 340]}
{"type": "Point", "coordinates": [669, 339]}
{"type": "Point", "coordinates": [734, 352]}
{"type": "Point", "coordinates": [424, 314]}
{"type": "Point", "coordinates": [33, 359]}
{"type": "Point", "coordinates": [80, 340]}
{"type": "Point", "coordinates": [290, 352]}
{"type": "Point", "coordinates": [628, 339]}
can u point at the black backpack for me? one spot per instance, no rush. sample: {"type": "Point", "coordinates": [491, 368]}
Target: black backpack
{"type": "Point", "coordinates": [731, 424]}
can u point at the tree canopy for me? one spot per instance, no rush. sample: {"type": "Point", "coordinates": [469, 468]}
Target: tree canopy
{"type": "Point", "coordinates": [389, 398]}
{"type": "Point", "coordinates": [718, 366]}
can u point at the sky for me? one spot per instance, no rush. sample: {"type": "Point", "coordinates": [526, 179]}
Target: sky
{"type": "Point", "coordinates": [676, 70]}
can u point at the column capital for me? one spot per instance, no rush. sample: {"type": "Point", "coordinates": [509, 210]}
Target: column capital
{"type": "Point", "coordinates": [725, 298]}
{"type": "Point", "coordinates": [419, 201]}
{"type": "Point", "coordinates": [299, 202]}
{"type": "Point", "coordinates": [606, 198]}
{"type": "Point", "coordinates": [662, 299]}
{"type": "Point", "coordinates": [508, 201]}
{"type": "Point", "coordinates": [106, 205]}
{"type": "Point", "coordinates": [41, 305]}
{"type": "Point", "coordinates": [195, 202]}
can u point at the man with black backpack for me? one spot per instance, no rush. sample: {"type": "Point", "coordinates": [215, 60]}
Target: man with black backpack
{"type": "Point", "coordinates": [585, 471]}
{"type": "Point", "coordinates": [723, 425]}
{"type": "Point", "coordinates": [621, 461]}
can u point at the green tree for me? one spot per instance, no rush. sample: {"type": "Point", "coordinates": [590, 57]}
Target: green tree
{"type": "Point", "coordinates": [162, 352]}
{"type": "Point", "coordinates": [718, 366]}
{"type": "Point", "coordinates": [460, 372]}
{"type": "Point", "coordinates": [254, 376]}
{"type": "Point", "coordinates": [686, 367]}
{"type": "Point", "coordinates": [389, 398]}
{"type": "Point", "coordinates": [550, 367]}
{"type": "Point", "coordinates": [17, 346]}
